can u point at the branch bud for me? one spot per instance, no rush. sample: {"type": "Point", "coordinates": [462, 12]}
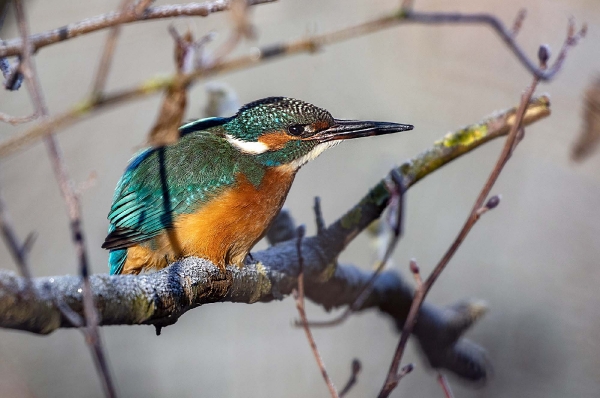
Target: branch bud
{"type": "Point", "coordinates": [544, 54]}
{"type": "Point", "coordinates": [493, 202]}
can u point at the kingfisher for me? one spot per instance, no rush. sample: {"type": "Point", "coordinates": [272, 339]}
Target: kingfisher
{"type": "Point", "coordinates": [214, 193]}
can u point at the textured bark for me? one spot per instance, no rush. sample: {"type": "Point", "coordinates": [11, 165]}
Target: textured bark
{"type": "Point", "coordinates": [160, 298]}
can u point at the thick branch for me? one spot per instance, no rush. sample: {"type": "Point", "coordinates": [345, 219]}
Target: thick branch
{"type": "Point", "coordinates": [99, 22]}
{"type": "Point", "coordinates": [161, 298]}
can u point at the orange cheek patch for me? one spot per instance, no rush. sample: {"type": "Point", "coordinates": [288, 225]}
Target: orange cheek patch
{"type": "Point", "coordinates": [321, 125]}
{"type": "Point", "coordinates": [276, 140]}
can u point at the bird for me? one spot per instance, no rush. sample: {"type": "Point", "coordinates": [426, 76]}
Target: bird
{"type": "Point", "coordinates": [214, 193]}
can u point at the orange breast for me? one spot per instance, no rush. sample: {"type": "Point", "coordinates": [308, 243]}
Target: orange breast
{"type": "Point", "coordinates": [223, 230]}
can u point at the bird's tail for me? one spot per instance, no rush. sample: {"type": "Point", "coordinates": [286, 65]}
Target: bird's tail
{"type": "Point", "coordinates": [116, 260]}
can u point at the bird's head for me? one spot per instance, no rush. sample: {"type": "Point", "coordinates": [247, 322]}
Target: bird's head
{"type": "Point", "coordinates": [285, 131]}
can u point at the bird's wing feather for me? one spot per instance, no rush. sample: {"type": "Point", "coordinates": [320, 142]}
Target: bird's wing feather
{"type": "Point", "coordinates": [161, 183]}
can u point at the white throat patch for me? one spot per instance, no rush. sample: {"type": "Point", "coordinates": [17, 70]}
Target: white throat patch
{"type": "Point", "coordinates": [313, 154]}
{"type": "Point", "coordinates": [254, 148]}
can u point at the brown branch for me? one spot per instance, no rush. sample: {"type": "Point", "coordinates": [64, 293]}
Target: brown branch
{"type": "Point", "coordinates": [14, 120]}
{"type": "Point", "coordinates": [478, 209]}
{"type": "Point", "coordinates": [19, 251]}
{"type": "Point", "coordinates": [60, 170]}
{"type": "Point", "coordinates": [107, 53]}
{"type": "Point", "coordinates": [445, 386]}
{"type": "Point", "coordinates": [299, 297]}
{"type": "Point", "coordinates": [99, 22]}
{"type": "Point", "coordinates": [264, 54]}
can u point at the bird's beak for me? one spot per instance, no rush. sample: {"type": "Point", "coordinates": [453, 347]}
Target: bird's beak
{"type": "Point", "coordinates": [346, 129]}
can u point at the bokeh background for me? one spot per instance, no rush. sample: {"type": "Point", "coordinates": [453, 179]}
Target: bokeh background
{"type": "Point", "coordinates": [534, 259]}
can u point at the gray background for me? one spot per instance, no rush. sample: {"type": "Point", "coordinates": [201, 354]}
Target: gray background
{"type": "Point", "coordinates": [534, 259]}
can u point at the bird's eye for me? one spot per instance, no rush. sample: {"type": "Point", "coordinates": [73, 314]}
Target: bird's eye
{"type": "Point", "coordinates": [296, 129]}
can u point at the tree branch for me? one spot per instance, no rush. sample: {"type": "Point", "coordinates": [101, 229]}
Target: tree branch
{"type": "Point", "coordinates": [99, 22]}
{"type": "Point", "coordinates": [162, 297]}
{"type": "Point", "coordinates": [91, 105]}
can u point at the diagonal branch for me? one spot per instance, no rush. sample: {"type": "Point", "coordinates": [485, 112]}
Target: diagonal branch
{"type": "Point", "coordinates": [161, 298]}
{"type": "Point", "coordinates": [129, 15]}
{"type": "Point", "coordinates": [89, 106]}
{"type": "Point", "coordinates": [91, 331]}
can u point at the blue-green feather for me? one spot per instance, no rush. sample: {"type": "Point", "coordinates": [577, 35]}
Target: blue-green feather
{"type": "Point", "coordinates": [160, 184]}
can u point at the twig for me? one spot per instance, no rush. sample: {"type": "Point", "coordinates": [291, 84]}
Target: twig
{"type": "Point", "coordinates": [355, 368]}
{"type": "Point", "coordinates": [142, 7]}
{"type": "Point", "coordinates": [518, 24]}
{"type": "Point", "coordinates": [107, 53]}
{"type": "Point", "coordinates": [299, 297]}
{"type": "Point", "coordinates": [14, 120]}
{"type": "Point", "coordinates": [19, 251]}
{"type": "Point", "coordinates": [99, 22]}
{"type": "Point", "coordinates": [60, 170]}
{"type": "Point", "coordinates": [319, 220]}
{"type": "Point", "coordinates": [397, 188]}
{"type": "Point", "coordinates": [268, 53]}
{"type": "Point", "coordinates": [445, 386]}
{"type": "Point", "coordinates": [477, 210]}
{"type": "Point", "coordinates": [505, 34]}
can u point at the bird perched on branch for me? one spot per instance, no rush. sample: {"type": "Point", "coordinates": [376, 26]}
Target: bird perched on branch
{"type": "Point", "coordinates": [214, 193]}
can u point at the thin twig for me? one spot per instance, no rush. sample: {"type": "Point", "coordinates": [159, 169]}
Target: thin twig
{"type": "Point", "coordinates": [518, 23]}
{"type": "Point", "coordinates": [19, 251]}
{"type": "Point", "coordinates": [142, 7]}
{"type": "Point", "coordinates": [355, 368]}
{"type": "Point", "coordinates": [319, 220]}
{"type": "Point", "coordinates": [477, 210]}
{"type": "Point", "coordinates": [397, 189]}
{"type": "Point", "coordinates": [515, 135]}
{"type": "Point", "coordinates": [99, 22]}
{"type": "Point", "coordinates": [107, 53]}
{"type": "Point", "coordinates": [299, 297]}
{"type": "Point", "coordinates": [268, 53]}
{"type": "Point", "coordinates": [14, 120]}
{"type": "Point", "coordinates": [66, 186]}
{"type": "Point", "coordinates": [445, 386]}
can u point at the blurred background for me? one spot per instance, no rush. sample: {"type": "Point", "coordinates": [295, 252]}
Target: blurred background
{"type": "Point", "coordinates": [534, 259]}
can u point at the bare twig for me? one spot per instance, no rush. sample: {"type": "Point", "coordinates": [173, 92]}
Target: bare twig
{"type": "Point", "coordinates": [445, 386]}
{"type": "Point", "coordinates": [518, 24]}
{"type": "Point", "coordinates": [107, 53]}
{"type": "Point", "coordinates": [142, 6]}
{"type": "Point", "coordinates": [267, 53]}
{"type": "Point", "coordinates": [319, 220]}
{"type": "Point", "coordinates": [19, 251]}
{"type": "Point", "coordinates": [14, 120]}
{"type": "Point", "coordinates": [505, 34]}
{"type": "Point", "coordinates": [299, 297]}
{"type": "Point", "coordinates": [397, 188]}
{"type": "Point", "coordinates": [60, 170]}
{"type": "Point", "coordinates": [99, 22]}
{"type": "Point", "coordinates": [477, 210]}
{"type": "Point", "coordinates": [355, 369]}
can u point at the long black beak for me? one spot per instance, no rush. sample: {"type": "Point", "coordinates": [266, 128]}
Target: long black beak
{"type": "Point", "coordinates": [346, 129]}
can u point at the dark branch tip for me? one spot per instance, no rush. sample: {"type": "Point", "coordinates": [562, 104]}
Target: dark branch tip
{"type": "Point", "coordinates": [544, 54]}
{"type": "Point", "coordinates": [356, 366]}
{"type": "Point", "coordinates": [414, 268]}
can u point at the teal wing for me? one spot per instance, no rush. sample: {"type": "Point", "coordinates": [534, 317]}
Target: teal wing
{"type": "Point", "coordinates": [161, 183]}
